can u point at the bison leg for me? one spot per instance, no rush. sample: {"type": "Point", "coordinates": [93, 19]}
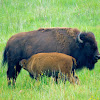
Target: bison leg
{"type": "Point", "coordinates": [75, 77]}
{"type": "Point", "coordinates": [71, 79]}
{"type": "Point", "coordinates": [56, 79]}
{"type": "Point", "coordinates": [8, 81]}
{"type": "Point", "coordinates": [12, 73]}
{"type": "Point", "coordinates": [17, 69]}
{"type": "Point", "coordinates": [77, 80]}
{"type": "Point", "coordinates": [32, 76]}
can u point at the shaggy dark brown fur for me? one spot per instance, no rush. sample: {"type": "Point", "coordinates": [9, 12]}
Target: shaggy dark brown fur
{"type": "Point", "coordinates": [50, 62]}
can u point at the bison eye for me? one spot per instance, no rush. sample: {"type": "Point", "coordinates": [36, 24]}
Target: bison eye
{"type": "Point", "coordinates": [94, 48]}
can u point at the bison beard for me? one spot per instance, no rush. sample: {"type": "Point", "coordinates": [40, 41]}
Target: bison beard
{"type": "Point", "coordinates": [82, 46]}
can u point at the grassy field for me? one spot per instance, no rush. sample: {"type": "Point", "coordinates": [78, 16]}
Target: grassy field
{"type": "Point", "coordinates": [27, 15]}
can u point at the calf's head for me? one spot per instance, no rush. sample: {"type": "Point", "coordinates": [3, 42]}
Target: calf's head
{"type": "Point", "coordinates": [23, 63]}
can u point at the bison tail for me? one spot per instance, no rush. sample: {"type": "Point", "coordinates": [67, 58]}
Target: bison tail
{"type": "Point", "coordinates": [74, 66]}
{"type": "Point", "coordinates": [4, 57]}
{"type": "Point", "coordinates": [74, 62]}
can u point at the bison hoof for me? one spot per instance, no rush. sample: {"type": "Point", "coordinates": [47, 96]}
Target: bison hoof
{"type": "Point", "coordinates": [9, 83]}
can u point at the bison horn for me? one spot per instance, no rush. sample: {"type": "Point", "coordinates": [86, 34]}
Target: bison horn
{"type": "Point", "coordinates": [79, 38]}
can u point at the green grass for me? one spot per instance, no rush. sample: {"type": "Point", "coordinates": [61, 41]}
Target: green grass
{"type": "Point", "coordinates": [27, 15]}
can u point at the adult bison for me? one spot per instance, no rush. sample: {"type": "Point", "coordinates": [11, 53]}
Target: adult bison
{"type": "Point", "coordinates": [71, 41]}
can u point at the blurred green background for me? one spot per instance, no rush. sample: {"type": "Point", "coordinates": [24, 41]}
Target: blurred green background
{"type": "Point", "coordinates": [27, 15]}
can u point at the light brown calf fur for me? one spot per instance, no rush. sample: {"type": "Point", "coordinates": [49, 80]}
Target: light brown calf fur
{"type": "Point", "coordinates": [54, 62]}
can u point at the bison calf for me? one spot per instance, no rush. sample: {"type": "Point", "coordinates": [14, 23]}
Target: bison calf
{"type": "Point", "coordinates": [51, 64]}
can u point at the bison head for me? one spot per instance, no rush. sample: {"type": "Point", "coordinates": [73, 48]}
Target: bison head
{"type": "Point", "coordinates": [23, 63]}
{"type": "Point", "coordinates": [88, 49]}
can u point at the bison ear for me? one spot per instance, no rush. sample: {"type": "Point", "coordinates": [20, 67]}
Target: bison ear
{"type": "Point", "coordinates": [23, 62]}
